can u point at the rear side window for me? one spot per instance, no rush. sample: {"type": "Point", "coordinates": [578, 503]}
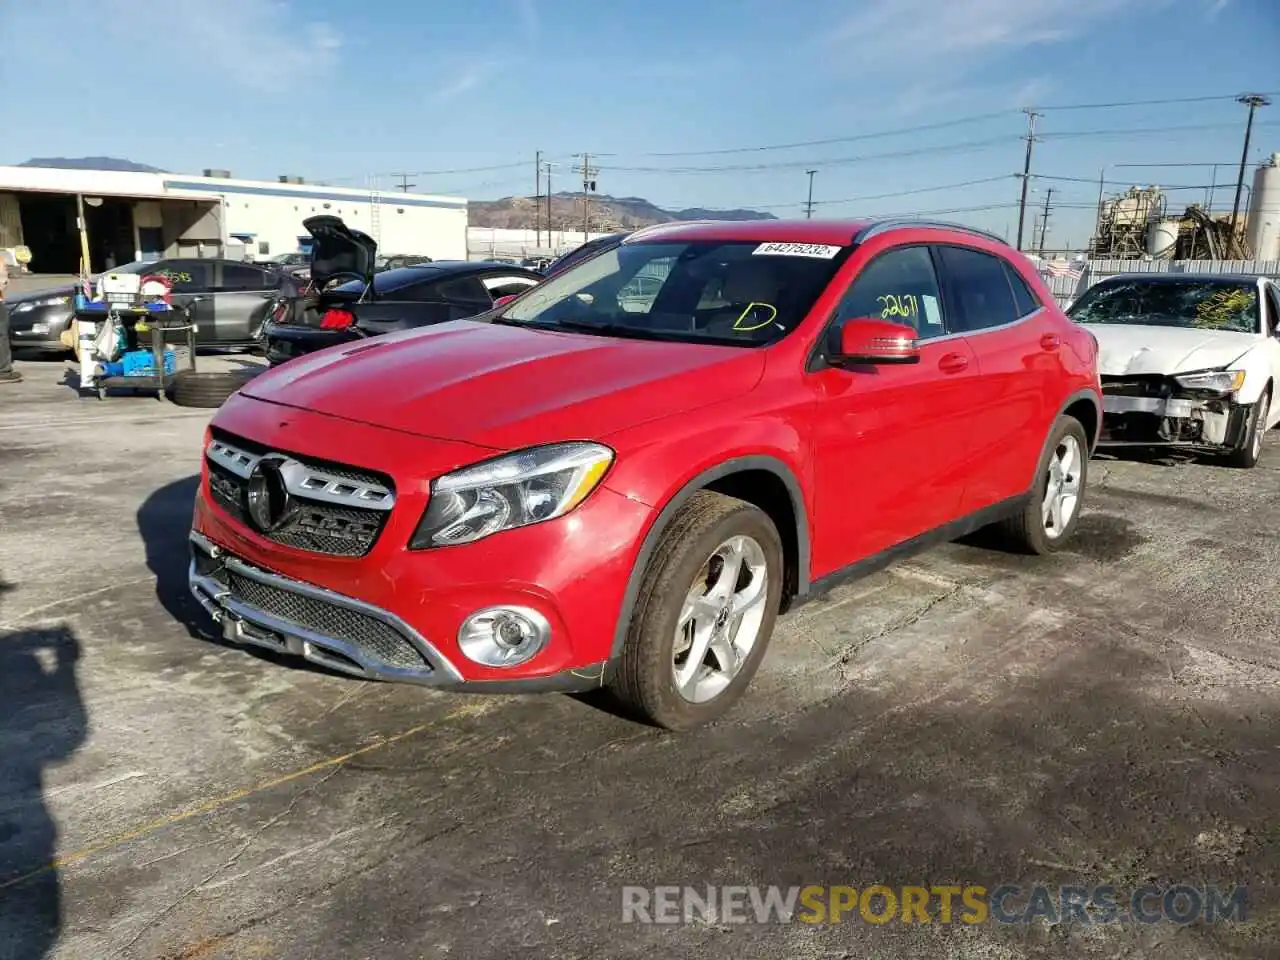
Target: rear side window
{"type": "Point", "coordinates": [1025, 301]}
{"type": "Point", "coordinates": [236, 277]}
{"type": "Point", "coordinates": [980, 288]}
{"type": "Point", "coordinates": [466, 289]}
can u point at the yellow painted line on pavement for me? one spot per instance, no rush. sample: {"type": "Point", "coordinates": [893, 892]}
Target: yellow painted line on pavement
{"type": "Point", "coordinates": [209, 806]}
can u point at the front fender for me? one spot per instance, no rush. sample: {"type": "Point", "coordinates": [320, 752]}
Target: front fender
{"type": "Point", "coordinates": [1257, 375]}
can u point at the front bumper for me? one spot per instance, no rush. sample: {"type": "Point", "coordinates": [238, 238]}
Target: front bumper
{"type": "Point", "coordinates": [255, 607]}
{"type": "Point", "coordinates": [39, 329]}
{"type": "Point", "coordinates": [1159, 418]}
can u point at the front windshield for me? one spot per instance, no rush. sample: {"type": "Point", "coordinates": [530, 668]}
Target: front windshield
{"type": "Point", "coordinates": [1194, 304]}
{"type": "Point", "coordinates": [736, 293]}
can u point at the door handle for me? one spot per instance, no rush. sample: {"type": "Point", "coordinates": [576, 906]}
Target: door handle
{"type": "Point", "coordinates": [953, 363]}
{"type": "Point", "coordinates": [1050, 341]}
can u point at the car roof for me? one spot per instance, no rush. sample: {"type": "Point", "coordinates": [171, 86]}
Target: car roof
{"type": "Point", "coordinates": [436, 270]}
{"type": "Point", "coordinates": [837, 232]}
{"type": "Point", "coordinates": [1186, 277]}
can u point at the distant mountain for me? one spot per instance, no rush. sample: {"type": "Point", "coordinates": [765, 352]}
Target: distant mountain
{"type": "Point", "coordinates": [91, 163]}
{"type": "Point", "coordinates": [607, 213]}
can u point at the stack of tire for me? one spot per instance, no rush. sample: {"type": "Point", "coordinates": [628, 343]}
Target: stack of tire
{"type": "Point", "coordinates": [209, 389]}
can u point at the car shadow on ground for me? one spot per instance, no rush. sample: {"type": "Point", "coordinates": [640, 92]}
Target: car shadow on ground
{"type": "Point", "coordinates": [43, 722]}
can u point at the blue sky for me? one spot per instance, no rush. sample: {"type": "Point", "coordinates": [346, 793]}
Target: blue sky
{"type": "Point", "coordinates": [341, 91]}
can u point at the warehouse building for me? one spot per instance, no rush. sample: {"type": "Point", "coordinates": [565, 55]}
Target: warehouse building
{"type": "Point", "coordinates": [62, 215]}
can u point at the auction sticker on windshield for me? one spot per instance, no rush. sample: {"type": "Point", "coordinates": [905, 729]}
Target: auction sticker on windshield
{"type": "Point", "coordinates": [820, 250]}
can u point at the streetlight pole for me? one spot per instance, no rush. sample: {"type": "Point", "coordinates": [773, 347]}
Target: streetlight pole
{"type": "Point", "coordinates": [1026, 171]}
{"type": "Point", "coordinates": [808, 207]}
{"type": "Point", "coordinates": [1253, 101]}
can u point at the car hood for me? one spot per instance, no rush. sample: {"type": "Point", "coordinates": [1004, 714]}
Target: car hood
{"type": "Point", "coordinates": [28, 296]}
{"type": "Point", "coordinates": [1126, 349]}
{"type": "Point", "coordinates": [505, 387]}
{"type": "Point", "coordinates": [339, 251]}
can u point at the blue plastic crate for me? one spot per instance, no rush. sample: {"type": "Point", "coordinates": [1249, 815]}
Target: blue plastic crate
{"type": "Point", "coordinates": [140, 363]}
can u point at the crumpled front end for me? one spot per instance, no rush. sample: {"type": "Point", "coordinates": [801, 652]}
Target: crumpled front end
{"type": "Point", "coordinates": [1152, 409]}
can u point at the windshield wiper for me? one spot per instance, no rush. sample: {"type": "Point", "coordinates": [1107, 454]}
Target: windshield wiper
{"type": "Point", "coordinates": [607, 328]}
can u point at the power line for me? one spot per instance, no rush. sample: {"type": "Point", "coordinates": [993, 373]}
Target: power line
{"type": "Point", "coordinates": [879, 134]}
{"type": "Point", "coordinates": [1141, 131]}
{"type": "Point", "coordinates": [834, 161]}
{"type": "Point", "coordinates": [1145, 103]}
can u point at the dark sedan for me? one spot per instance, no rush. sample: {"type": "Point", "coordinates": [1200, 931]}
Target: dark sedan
{"type": "Point", "coordinates": [396, 300]}
{"type": "Point", "coordinates": [228, 299]}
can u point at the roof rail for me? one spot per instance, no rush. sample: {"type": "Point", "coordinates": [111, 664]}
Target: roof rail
{"type": "Point", "coordinates": [897, 223]}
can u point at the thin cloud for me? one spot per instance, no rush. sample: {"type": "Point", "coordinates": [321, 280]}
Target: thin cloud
{"type": "Point", "coordinates": [528, 13]}
{"type": "Point", "coordinates": [468, 78]}
{"type": "Point", "coordinates": [925, 34]}
{"type": "Point", "coordinates": [261, 47]}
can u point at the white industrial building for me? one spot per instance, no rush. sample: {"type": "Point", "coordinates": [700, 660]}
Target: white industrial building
{"type": "Point", "coordinates": [115, 217]}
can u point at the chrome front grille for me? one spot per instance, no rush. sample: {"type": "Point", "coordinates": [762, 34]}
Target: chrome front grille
{"type": "Point", "coordinates": [371, 636]}
{"type": "Point", "coordinates": [328, 508]}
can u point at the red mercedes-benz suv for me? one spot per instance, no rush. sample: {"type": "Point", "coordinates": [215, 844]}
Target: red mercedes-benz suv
{"type": "Point", "coordinates": [621, 477]}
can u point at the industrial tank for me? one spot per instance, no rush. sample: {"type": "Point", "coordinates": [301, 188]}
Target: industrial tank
{"type": "Point", "coordinates": [1161, 235]}
{"type": "Point", "coordinates": [1263, 232]}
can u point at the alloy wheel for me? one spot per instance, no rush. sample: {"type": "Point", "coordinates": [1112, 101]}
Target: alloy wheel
{"type": "Point", "coordinates": [720, 620]}
{"type": "Point", "coordinates": [1062, 491]}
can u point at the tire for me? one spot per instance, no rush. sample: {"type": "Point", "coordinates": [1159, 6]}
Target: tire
{"type": "Point", "coordinates": [692, 557]}
{"type": "Point", "coordinates": [1030, 531]}
{"type": "Point", "coordinates": [193, 388]}
{"type": "Point", "coordinates": [1246, 455]}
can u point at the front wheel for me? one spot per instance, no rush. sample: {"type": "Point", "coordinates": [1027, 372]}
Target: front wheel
{"type": "Point", "coordinates": [1053, 509]}
{"type": "Point", "coordinates": [1246, 455]}
{"type": "Point", "coordinates": [704, 614]}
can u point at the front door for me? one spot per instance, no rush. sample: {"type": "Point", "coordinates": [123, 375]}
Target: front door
{"type": "Point", "coordinates": [890, 439]}
{"type": "Point", "coordinates": [190, 281]}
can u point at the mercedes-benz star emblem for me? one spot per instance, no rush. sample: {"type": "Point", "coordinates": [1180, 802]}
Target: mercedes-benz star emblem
{"type": "Point", "coordinates": [269, 504]}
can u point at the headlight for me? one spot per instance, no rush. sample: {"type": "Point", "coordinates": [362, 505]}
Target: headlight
{"type": "Point", "coordinates": [510, 491]}
{"type": "Point", "coordinates": [46, 302]}
{"type": "Point", "coordinates": [1223, 381]}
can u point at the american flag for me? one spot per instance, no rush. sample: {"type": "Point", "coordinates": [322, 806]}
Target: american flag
{"type": "Point", "coordinates": [1062, 268]}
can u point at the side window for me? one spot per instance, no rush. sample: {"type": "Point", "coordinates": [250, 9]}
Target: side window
{"type": "Point", "coordinates": [500, 286]}
{"type": "Point", "coordinates": [185, 276]}
{"type": "Point", "coordinates": [237, 277]}
{"type": "Point", "coordinates": [1024, 300]}
{"type": "Point", "coordinates": [638, 293]}
{"type": "Point", "coordinates": [1273, 302]}
{"type": "Point", "coordinates": [980, 288]}
{"type": "Point", "coordinates": [900, 286]}
{"type": "Point", "coordinates": [463, 289]}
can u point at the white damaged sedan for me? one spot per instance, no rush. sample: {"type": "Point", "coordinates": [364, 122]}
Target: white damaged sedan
{"type": "Point", "coordinates": [1187, 360]}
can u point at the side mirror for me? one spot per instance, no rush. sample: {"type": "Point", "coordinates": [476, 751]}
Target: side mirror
{"type": "Point", "coordinates": [503, 301]}
{"type": "Point", "coordinates": [872, 340]}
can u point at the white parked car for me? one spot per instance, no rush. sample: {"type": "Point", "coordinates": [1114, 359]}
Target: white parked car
{"type": "Point", "coordinates": [1189, 360]}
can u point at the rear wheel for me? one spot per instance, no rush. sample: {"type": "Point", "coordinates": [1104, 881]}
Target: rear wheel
{"type": "Point", "coordinates": [704, 615]}
{"type": "Point", "coordinates": [1053, 510]}
{"type": "Point", "coordinates": [1246, 455]}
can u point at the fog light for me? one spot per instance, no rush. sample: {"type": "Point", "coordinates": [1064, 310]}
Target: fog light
{"type": "Point", "coordinates": [503, 636]}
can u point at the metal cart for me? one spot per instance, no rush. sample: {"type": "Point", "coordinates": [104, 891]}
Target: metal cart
{"type": "Point", "coordinates": [156, 324]}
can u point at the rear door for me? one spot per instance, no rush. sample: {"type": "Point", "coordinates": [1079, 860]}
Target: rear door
{"type": "Point", "coordinates": [241, 294]}
{"type": "Point", "coordinates": [1019, 367]}
{"type": "Point", "coordinates": [890, 440]}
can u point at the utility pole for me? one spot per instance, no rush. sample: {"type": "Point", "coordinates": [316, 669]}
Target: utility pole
{"type": "Point", "coordinates": [1044, 220]}
{"type": "Point", "coordinates": [1026, 169]}
{"type": "Point", "coordinates": [588, 187]}
{"type": "Point", "coordinates": [537, 200]}
{"type": "Point", "coordinates": [1253, 101]}
{"type": "Point", "coordinates": [808, 207]}
{"type": "Point", "coordinates": [550, 242]}
{"type": "Point", "coordinates": [404, 181]}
